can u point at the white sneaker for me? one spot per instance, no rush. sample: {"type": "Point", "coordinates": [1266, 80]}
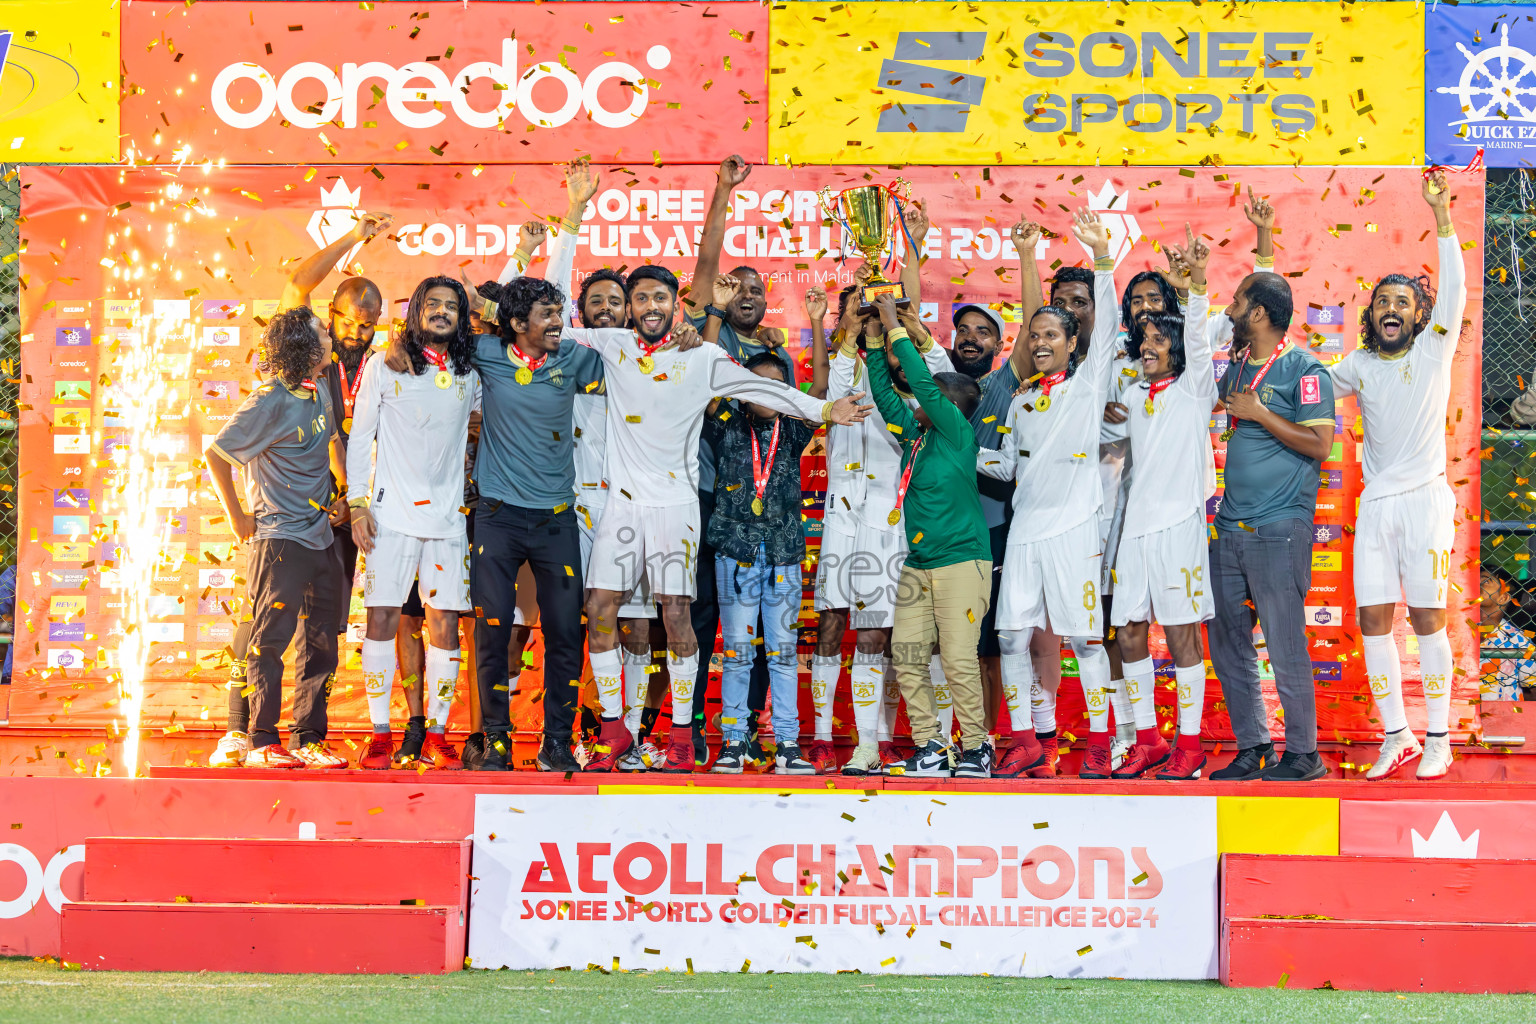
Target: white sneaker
{"type": "Point", "coordinates": [231, 751]}
{"type": "Point", "coordinates": [1397, 749]}
{"type": "Point", "coordinates": [319, 755]}
{"type": "Point", "coordinates": [1119, 749]}
{"type": "Point", "coordinates": [865, 761]}
{"type": "Point", "coordinates": [1437, 757]}
{"type": "Point", "coordinates": [273, 755]}
{"type": "Point", "coordinates": [641, 757]}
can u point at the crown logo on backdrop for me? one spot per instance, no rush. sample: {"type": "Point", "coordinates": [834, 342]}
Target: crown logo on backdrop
{"type": "Point", "coordinates": [340, 195]}
{"type": "Point", "coordinates": [1445, 841]}
{"type": "Point", "coordinates": [337, 215]}
{"type": "Point", "coordinates": [1123, 229]}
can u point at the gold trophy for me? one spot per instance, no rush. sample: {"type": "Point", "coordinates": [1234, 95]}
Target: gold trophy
{"type": "Point", "coordinates": [871, 215]}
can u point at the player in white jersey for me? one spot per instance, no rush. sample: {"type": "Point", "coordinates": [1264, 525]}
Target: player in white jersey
{"type": "Point", "coordinates": [1401, 378]}
{"type": "Point", "coordinates": [405, 498]}
{"type": "Point", "coordinates": [649, 532]}
{"type": "Point", "coordinates": [1161, 569]}
{"type": "Point", "coordinates": [1051, 570]}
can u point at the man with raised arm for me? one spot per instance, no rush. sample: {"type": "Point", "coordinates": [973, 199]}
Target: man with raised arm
{"type": "Point", "coordinates": [1401, 377]}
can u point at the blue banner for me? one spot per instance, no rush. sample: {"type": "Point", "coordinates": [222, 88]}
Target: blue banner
{"type": "Point", "coordinates": [1480, 84]}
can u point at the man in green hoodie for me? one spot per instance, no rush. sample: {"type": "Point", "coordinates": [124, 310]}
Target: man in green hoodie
{"type": "Point", "coordinates": [947, 580]}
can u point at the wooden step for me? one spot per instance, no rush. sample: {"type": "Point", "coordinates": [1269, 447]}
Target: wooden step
{"type": "Point", "coordinates": [329, 871]}
{"type": "Point", "coordinates": [273, 938]}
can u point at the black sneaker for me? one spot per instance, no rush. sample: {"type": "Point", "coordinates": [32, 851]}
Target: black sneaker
{"type": "Point", "coordinates": [755, 753]}
{"type": "Point", "coordinates": [410, 747]}
{"type": "Point", "coordinates": [733, 757]}
{"type": "Point", "coordinates": [498, 749]}
{"type": "Point", "coordinates": [700, 745]}
{"type": "Point", "coordinates": [931, 762]}
{"type": "Point", "coordinates": [1249, 764]}
{"type": "Point", "coordinates": [474, 751]}
{"type": "Point", "coordinates": [1296, 768]}
{"type": "Point", "coordinates": [788, 760]}
{"type": "Point", "coordinates": [555, 756]}
{"type": "Point", "coordinates": [975, 764]}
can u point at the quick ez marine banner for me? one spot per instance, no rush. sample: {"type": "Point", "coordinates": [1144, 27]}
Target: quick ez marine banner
{"type": "Point", "coordinates": [1480, 84]}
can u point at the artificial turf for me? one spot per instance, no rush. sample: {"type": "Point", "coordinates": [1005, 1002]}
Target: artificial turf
{"type": "Point", "coordinates": [44, 992]}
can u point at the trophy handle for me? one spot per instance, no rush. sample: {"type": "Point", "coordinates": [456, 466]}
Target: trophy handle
{"type": "Point", "coordinates": [901, 188]}
{"type": "Point", "coordinates": [829, 204]}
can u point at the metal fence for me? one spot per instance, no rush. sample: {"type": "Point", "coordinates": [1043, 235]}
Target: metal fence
{"type": "Point", "coordinates": [10, 355]}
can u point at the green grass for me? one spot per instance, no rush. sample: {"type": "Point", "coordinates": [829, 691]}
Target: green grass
{"type": "Point", "coordinates": [44, 992]}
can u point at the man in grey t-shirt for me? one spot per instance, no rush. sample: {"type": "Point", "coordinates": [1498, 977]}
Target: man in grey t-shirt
{"type": "Point", "coordinates": [284, 437]}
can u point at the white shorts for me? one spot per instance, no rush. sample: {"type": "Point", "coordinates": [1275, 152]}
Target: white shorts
{"type": "Point", "coordinates": [1403, 547]}
{"type": "Point", "coordinates": [650, 546]}
{"type": "Point", "coordinates": [861, 571]}
{"type": "Point", "coordinates": [1164, 575]}
{"type": "Point", "coordinates": [1057, 577]}
{"type": "Point", "coordinates": [640, 604]}
{"type": "Point", "coordinates": [397, 561]}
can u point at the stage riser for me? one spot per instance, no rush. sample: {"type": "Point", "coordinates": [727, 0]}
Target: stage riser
{"type": "Point", "coordinates": [383, 872]}
{"type": "Point", "coordinates": [278, 939]}
{"type": "Point", "coordinates": [1381, 889]}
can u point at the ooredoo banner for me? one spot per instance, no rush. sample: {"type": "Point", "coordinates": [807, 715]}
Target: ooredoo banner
{"type": "Point", "coordinates": [291, 83]}
{"type": "Point", "coordinates": [210, 251]}
{"type": "Point", "coordinates": [1033, 886]}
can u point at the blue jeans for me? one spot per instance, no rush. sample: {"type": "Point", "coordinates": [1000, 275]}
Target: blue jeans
{"type": "Point", "coordinates": [743, 591]}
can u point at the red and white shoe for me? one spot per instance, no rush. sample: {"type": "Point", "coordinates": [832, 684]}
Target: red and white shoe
{"type": "Point", "coordinates": [1142, 759]}
{"type": "Point", "coordinates": [437, 751]}
{"type": "Point", "coordinates": [1027, 752]}
{"type": "Point", "coordinates": [273, 755]}
{"type": "Point", "coordinates": [888, 754]}
{"type": "Point", "coordinates": [320, 755]}
{"type": "Point", "coordinates": [1095, 762]}
{"type": "Point", "coordinates": [1183, 765]}
{"type": "Point", "coordinates": [380, 753]}
{"type": "Point", "coordinates": [679, 753]}
{"type": "Point", "coordinates": [821, 754]}
{"type": "Point", "coordinates": [1397, 749]}
{"type": "Point", "coordinates": [612, 743]}
{"type": "Point", "coordinates": [1437, 757]}
{"type": "Point", "coordinates": [231, 751]}
{"type": "Point", "coordinates": [1048, 770]}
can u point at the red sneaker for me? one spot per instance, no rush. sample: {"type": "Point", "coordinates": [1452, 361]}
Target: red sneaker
{"type": "Point", "coordinates": [437, 751]}
{"type": "Point", "coordinates": [1047, 770]}
{"type": "Point", "coordinates": [1143, 759]}
{"type": "Point", "coordinates": [612, 743]}
{"type": "Point", "coordinates": [380, 752]}
{"type": "Point", "coordinates": [1184, 765]}
{"type": "Point", "coordinates": [679, 752]}
{"type": "Point", "coordinates": [1026, 753]}
{"type": "Point", "coordinates": [888, 754]}
{"type": "Point", "coordinates": [1096, 762]}
{"type": "Point", "coordinates": [821, 754]}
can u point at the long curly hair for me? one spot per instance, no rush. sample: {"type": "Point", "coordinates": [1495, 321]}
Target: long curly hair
{"type": "Point", "coordinates": [518, 298]}
{"type": "Point", "coordinates": [1170, 297]}
{"type": "Point", "coordinates": [414, 336]}
{"type": "Point", "coordinates": [291, 346]}
{"type": "Point", "coordinates": [1423, 297]}
{"type": "Point", "coordinates": [1169, 325]}
{"type": "Point", "coordinates": [1070, 326]}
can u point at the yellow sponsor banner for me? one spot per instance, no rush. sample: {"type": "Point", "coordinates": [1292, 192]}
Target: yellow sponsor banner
{"type": "Point", "coordinates": [58, 81]}
{"type": "Point", "coordinates": [1327, 561]}
{"type": "Point", "coordinates": [1089, 83]}
{"type": "Point", "coordinates": [1278, 824]}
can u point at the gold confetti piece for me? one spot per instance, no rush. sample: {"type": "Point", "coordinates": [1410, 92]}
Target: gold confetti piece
{"type": "Point", "coordinates": [1085, 951]}
{"type": "Point", "coordinates": [848, 816]}
{"type": "Point", "coordinates": [653, 952]}
{"type": "Point", "coordinates": [1139, 878]}
{"type": "Point", "coordinates": [887, 962]}
{"type": "Point", "coordinates": [1042, 824]}
{"type": "Point", "coordinates": [945, 944]}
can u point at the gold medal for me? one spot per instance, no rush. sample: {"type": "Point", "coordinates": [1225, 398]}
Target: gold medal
{"type": "Point", "coordinates": [894, 517]}
{"type": "Point", "coordinates": [757, 506]}
{"type": "Point", "coordinates": [524, 375]}
{"type": "Point", "coordinates": [1043, 403]}
{"type": "Point", "coordinates": [1226, 435]}
{"type": "Point", "coordinates": [346, 425]}
{"type": "Point", "coordinates": [443, 380]}
{"type": "Point", "coordinates": [1150, 407]}
{"type": "Point", "coordinates": [647, 364]}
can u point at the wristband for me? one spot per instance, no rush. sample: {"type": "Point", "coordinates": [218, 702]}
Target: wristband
{"type": "Point", "coordinates": [358, 503]}
{"type": "Point", "coordinates": [1446, 232]}
{"type": "Point", "coordinates": [1195, 289]}
{"type": "Point", "coordinates": [489, 311]}
{"type": "Point", "coordinates": [1103, 263]}
{"type": "Point", "coordinates": [1264, 262]}
{"type": "Point", "coordinates": [713, 310]}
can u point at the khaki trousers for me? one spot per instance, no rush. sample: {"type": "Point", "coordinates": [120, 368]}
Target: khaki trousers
{"type": "Point", "coordinates": [943, 606]}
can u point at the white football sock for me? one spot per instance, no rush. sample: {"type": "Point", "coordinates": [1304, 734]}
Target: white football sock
{"type": "Point", "coordinates": [825, 672]}
{"type": "Point", "coordinates": [1436, 666]}
{"type": "Point", "coordinates": [1093, 671]}
{"type": "Point", "coordinates": [1139, 681]}
{"type": "Point", "coordinates": [1385, 674]}
{"type": "Point", "coordinates": [608, 674]}
{"type": "Point", "coordinates": [868, 677]}
{"type": "Point", "coordinates": [1120, 703]}
{"type": "Point", "coordinates": [683, 671]}
{"type": "Point", "coordinates": [890, 701]}
{"type": "Point", "coordinates": [943, 702]}
{"type": "Point", "coordinates": [442, 680]}
{"type": "Point", "coordinates": [1019, 683]}
{"type": "Point", "coordinates": [1191, 683]}
{"type": "Point", "coordinates": [378, 680]}
{"type": "Point", "coordinates": [635, 686]}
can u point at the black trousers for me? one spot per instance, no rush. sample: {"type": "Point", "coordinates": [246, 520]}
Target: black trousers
{"type": "Point", "coordinates": [706, 622]}
{"type": "Point", "coordinates": [505, 537]}
{"type": "Point", "coordinates": [289, 583]}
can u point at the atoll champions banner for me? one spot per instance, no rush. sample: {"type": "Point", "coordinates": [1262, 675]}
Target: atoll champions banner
{"type": "Point", "coordinates": [1063, 886]}
{"type": "Point", "coordinates": [234, 229]}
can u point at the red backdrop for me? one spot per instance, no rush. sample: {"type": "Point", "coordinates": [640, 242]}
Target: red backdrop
{"type": "Point", "coordinates": [236, 229]}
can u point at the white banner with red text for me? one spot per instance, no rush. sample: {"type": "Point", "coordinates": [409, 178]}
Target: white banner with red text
{"type": "Point", "coordinates": [909, 883]}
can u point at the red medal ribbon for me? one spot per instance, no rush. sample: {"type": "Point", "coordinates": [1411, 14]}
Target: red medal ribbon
{"type": "Point", "coordinates": [1157, 387]}
{"type": "Point", "coordinates": [439, 361]}
{"type": "Point", "coordinates": [1046, 383]}
{"type": "Point", "coordinates": [349, 389]}
{"type": "Point", "coordinates": [1473, 166]}
{"type": "Point", "coordinates": [760, 472]}
{"type": "Point", "coordinates": [307, 384]}
{"type": "Point", "coordinates": [1254, 386]}
{"type": "Point", "coordinates": [533, 364]}
{"type": "Point", "coordinates": [906, 474]}
{"type": "Point", "coordinates": [650, 349]}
